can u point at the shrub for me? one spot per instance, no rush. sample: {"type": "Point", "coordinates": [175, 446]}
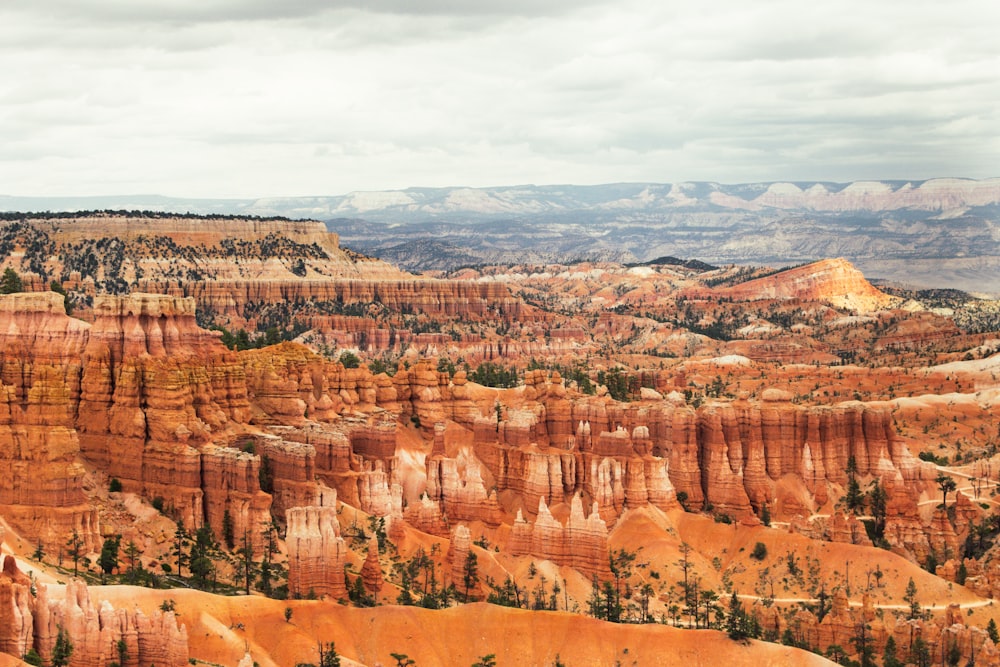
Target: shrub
{"type": "Point", "coordinates": [682, 498]}
{"type": "Point", "coordinates": [349, 360]}
{"type": "Point", "coordinates": [759, 551]}
{"type": "Point", "coordinates": [931, 458]}
{"type": "Point", "coordinates": [115, 485]}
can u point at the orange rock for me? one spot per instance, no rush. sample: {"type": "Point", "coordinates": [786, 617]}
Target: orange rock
{"type": "Point", "coordinates": [582, 543]}
{"type": "Point", "coordinates": [93, 629]}
{"type": "Point", "coordinates": [835, 281]}
{"type": "Point", "coordinates": [316, 552]}
{"type": "Point", "coordinates": [41, 492]}
{"type": "Point", "coordinates": [847, 529]}
{"type": "Point", "coordinates": [371, 570]}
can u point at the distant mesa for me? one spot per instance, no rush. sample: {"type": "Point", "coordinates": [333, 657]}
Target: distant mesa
{"type": "Point", "coordinates": [834, 281]}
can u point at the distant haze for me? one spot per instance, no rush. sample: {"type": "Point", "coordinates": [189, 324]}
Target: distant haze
{"type": "Point", "coordinates": [935, 233]}
{"type": "Point", "coordinates": [250, 98]}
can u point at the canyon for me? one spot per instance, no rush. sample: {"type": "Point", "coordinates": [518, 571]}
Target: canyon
{"type": "Point", "coordinates": [249, 411]}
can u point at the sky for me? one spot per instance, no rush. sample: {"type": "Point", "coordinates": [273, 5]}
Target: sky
{"type": "Point", "coordinates": [254, 98]}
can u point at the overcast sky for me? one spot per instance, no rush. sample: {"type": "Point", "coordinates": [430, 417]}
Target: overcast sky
{"type": "Point", "coordinates": [245, 98]}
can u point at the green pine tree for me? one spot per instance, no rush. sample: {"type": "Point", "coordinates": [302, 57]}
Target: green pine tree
{"type": "Point", "coordinates": [10, 282]}
{"type": "Point", "coordinates": [62, 650]}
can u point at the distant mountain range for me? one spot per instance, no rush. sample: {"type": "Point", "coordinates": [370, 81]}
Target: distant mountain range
{"type": "Point", "coordinates": [940, 232]}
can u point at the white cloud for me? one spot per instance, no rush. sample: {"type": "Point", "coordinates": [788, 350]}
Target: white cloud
{"type": "Point", "coordinates": [231, 98]}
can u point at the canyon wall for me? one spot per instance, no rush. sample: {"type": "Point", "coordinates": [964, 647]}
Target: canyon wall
{"type": "Point", "coordinates": [141, 393]}
{"type": "Point", "coordinates": [41, 365]}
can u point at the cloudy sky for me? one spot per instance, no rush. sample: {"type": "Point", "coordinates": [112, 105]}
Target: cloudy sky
{"type": "Point", "coordinates": [245, 98]}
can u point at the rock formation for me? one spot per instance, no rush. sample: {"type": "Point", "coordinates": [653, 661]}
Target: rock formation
{"type": "Point", "coordinates": [41, 350]}
{"type": "Point", "coordinates": [316, 552]}
{"type": "Point", "coordinates": [29, 619]}
{"type": "Point", "coordinates": [458, 486]}
{"type": "Point", "coordinates": [582, 543]}
{"type": "Point", "coordinates": [371, 570]}
{"type": "Point", "coordinates": [840, 627]}
{"type": "Point", "coordinates": [159, 389]}
{"type": "Point", "coordinates": [95, 631]}
{"type": "Point", "coordinates": [16, 604]}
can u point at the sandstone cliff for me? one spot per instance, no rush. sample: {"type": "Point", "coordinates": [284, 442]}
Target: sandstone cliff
{"type": "Point", "coordinates": [41, 366]}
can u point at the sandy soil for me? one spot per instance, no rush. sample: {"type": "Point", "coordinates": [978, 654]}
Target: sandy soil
{"type": "Point", "coordinates": [221, 629]}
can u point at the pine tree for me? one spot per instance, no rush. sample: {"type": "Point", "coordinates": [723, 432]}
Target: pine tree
{"type": "Point", "coordinates": [74, 548]}
{"type": "Point", "coordinates": [946, 484]}
{"type": "Point", "coordinates": [108, 559]}
{"type": "Point", "coordinates": [245, 568]}
{"type": "Point", "coordinates": [68, 301]}
{"type": "Point", "coordinates": [267, 570]}
{"type": "Point", "coordinates": [201, 564]}
{"type": "Point", "coordinates": [821, 608]}
{"type": "Point", "coordinates": [735, 618]}
{"type": "Point", "coordinates": [920, 653]}
{"type": "Point", "coordinates": [32, 657]}
{"type": "Point", "coordinates": [227, 530]}
{"type": "Point", "coordinates": [10, 282]}
{"type": "Point", "coordinates": [328, 656]}
{"type": "Point", "coordinates": [180, 539]}
{"type": "Point", "coordinates": [612, 607]}
{"type": "Point", "coordinates": [594, 601]}
{"type": "Point", "coordinates": [62, 650]}
{"type": "Point", "coordinates": [122, 649]}
{"type": "Point", "coordinates": [620, 563]}
{"type": "Point", "coordinates": [877, 499]}
{"type": "Point", "coordinates": [910, 598]}
{"type": "Point", "coordinates": [685, 564]}
{"type": "Point", "coordinates": [470, 573]}
{"type": "Point", "coordinates": [134, 564]}
{"type": "Point", "coordinates": [954, 654]}
{"type": "Point", "coordinates": [863, 644]}
{"type": "Point", "coordinates": [889, 658]}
